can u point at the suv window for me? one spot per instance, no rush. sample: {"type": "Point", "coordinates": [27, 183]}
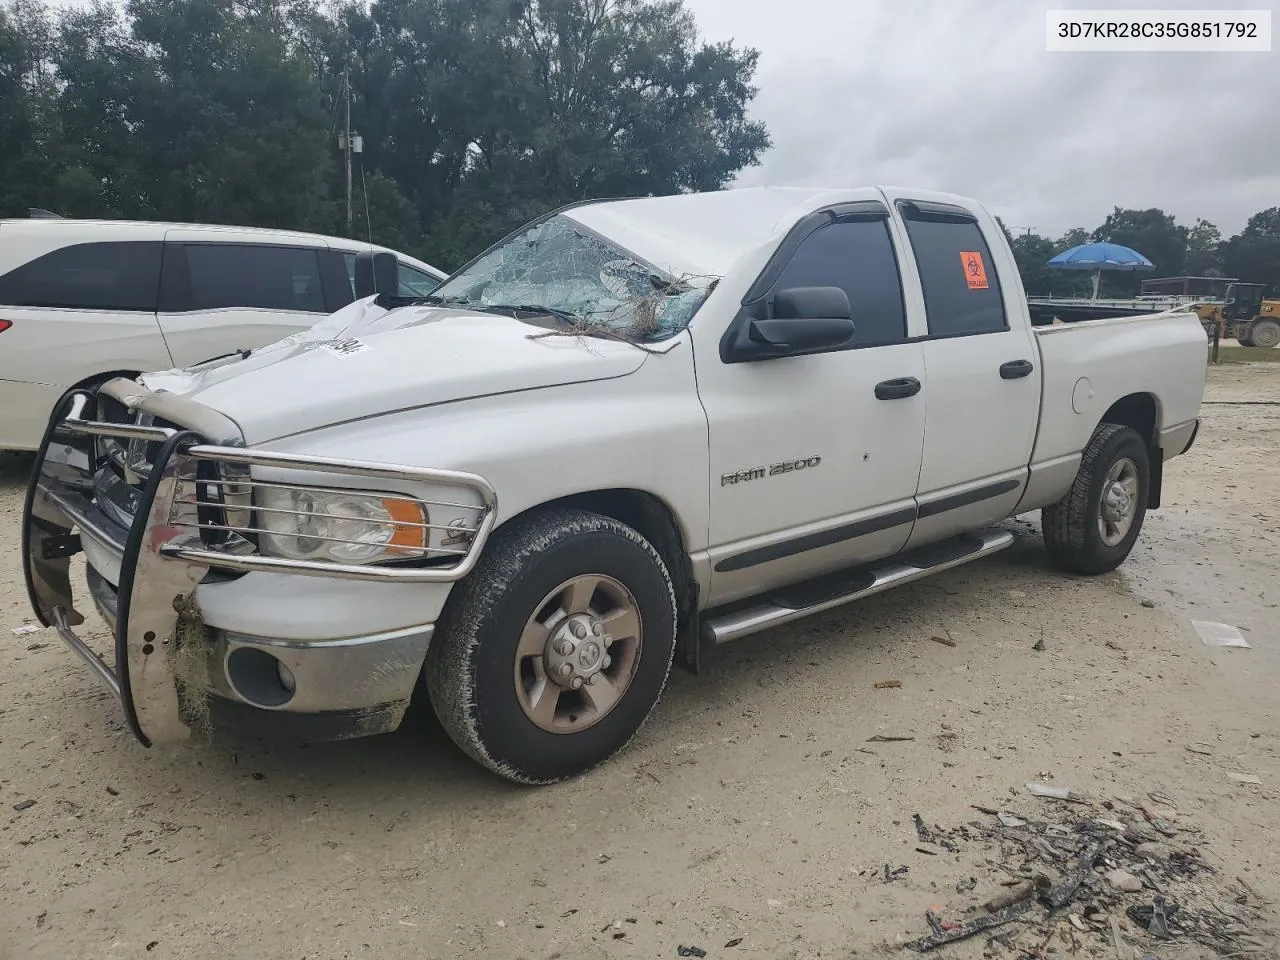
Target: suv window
{"type": "Point", "coordinates": [260, 276]}
{"type": "Point", "coordinates": [961, 290]}
{"type": "Point", "coordinates": [89, 276]}
{"type": "Point", "coordinates": [856, 256]}
{"type": "Point", "coordinates": [413, 282]}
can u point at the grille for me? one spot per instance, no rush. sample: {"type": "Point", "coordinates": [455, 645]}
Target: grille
{"type": "Point", "coordinates": [222, 503]}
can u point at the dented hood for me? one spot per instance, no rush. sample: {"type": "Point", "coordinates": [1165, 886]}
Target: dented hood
{"type": "Point", "coordinates": [364, 362]}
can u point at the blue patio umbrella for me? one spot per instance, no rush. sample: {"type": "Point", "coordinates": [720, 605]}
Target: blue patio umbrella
{"type": "Point", "coordinates": [1098, 257]}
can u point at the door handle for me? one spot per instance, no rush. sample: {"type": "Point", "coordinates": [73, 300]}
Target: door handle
{"type": "Point", "coordinates": [898, 389]}
{"type": "Point", "coordinates": [1015, 369]}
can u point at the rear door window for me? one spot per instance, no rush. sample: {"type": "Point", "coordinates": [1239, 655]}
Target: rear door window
{"type": "Point", "coordinates": [253, 276]}
{"type": "Point", "coordinates": [961, 290]}
{"type": "Point", "coordinates": [856, 256]}
{"type": "Point", "coordinates": [123, 275]}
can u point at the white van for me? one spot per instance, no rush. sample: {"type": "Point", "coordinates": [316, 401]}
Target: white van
{"type": "Point", "coordinates": [84, 300]}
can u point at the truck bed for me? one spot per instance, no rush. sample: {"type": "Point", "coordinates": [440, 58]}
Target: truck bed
{"type": "Point", "coordinates": [1159, 354]}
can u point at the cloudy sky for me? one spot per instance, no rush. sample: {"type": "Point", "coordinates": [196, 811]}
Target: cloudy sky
{"type": "Point", "coordinates": [961, 95]}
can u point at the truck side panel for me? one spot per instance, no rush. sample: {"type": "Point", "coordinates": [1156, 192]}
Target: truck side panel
{"type": "Point", "coordinates": [1090, 366]}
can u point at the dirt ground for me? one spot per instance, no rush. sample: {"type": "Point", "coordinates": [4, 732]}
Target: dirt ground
{"type": "Point", "coordinates": [752, 807]}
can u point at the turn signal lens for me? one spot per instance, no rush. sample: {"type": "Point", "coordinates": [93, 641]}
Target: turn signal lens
{"type": "Point", "coordinates": [5, 325]}
{"type": "Point", "coordinates": [410, 535]}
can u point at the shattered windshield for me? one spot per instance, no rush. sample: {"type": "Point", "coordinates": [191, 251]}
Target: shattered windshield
{"type": "Point", "coordinates": [561, 269]}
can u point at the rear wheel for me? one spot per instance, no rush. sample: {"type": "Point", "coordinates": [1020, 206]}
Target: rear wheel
{"type": "Point", "coordinates": [1092, 529]}
{"type": "Point", "coordinates": [552, 653]}
{"type": "Point", "coordinates": [1265, 334]}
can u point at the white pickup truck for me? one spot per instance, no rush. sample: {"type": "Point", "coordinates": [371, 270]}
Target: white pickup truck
{"type": "Point", "coordinates": [628, 429]}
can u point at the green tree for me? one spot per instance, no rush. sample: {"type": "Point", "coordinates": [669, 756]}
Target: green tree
{"type": "Point", "coordinates": [1152, 233]}
{"type": "Point", "coordinates": [200, 110]}
{"type": "Point", "coordinates": [476, 114]}
{"type": "Point", "coordinates": [30, 135]}
{"type": "Point", "coordinates": [506, 108]}
{"type": "Point", "coordinates": [1254, 253]}
{"type": "Point", "coordinates": [1204, 258]}
{"type": "Point", "coordinates": [1033, 253]}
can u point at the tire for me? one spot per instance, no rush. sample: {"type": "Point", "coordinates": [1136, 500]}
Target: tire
{"type": "Point", "coordinates": [1265, 334]}
{"type": "Point", "coordinates": [487, 688]}
{"type": "Point", "coordinates": [1074, 526]}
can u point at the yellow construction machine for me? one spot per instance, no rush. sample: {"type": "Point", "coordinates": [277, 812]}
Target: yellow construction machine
{"type": "Point", "coordinates": [1235, 309]}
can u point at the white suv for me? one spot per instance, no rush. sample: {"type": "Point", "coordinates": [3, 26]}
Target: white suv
{"type": "Point", "coordinates": [83, 300]}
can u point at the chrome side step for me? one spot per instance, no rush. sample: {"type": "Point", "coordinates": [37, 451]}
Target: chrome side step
{"type": "Point", "coordinates": [792, 603]}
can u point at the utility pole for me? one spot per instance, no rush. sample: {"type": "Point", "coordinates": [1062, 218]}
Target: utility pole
{"type": "Point", "coordinates": [346, 140]}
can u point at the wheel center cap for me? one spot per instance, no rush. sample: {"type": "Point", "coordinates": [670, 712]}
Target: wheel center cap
{"type": "Point", "coordinates": [575, 651]}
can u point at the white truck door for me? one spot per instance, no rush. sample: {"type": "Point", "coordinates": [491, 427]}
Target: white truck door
{"type": "Point", "coordinates": [815, 458]}
{"type": "Point", "coordinates": [218, 296]}
{"type": "Point", "coordinates": [983, 400]}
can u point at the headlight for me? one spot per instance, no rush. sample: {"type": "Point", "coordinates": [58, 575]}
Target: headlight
{"type": "Point", "coordinates": [340, 527]}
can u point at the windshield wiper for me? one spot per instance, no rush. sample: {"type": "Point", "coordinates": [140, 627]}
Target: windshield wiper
{"type": "Point", "coordinates": [562, 315]}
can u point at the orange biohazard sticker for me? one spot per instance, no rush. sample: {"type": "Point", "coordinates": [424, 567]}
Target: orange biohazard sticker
{"type": "Point", "coordinates": [975, 272]}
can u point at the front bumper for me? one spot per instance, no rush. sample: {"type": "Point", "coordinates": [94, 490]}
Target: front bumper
{"type": "Point", "coordinates": [171, 668]}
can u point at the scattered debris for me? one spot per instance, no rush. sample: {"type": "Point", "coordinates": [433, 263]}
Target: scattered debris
{"type": "Point", "coordinates": [24, 805]}
{"type": "Point", "coordinates": [1049, 793]}
{"type": "Point", "coordinates": [1200, 748]}
{"type": "Point", "coordinates": [1244, 778]}
{"type": "Point", "coordinates": [962, 930]}
{"type": "Point", "coordinates": [1060, 895]}
{"type": "Point", "coordinates": [921, 830]}
{"type": "Point", "coordinates": [1073, 877]}
{"type": "Point", "coordinates": [945, 641]}
{"type": "Point", "coordinates": [1023, 890]}
{"type": "Point", "coordinates": [888, 684]}
{"type": "Point", "coordinates": [1152, 850]}
{"type": "Point", "coordinates": [1149, 604]}
{"type": "Point", "coordinates": [734, 942]}
{"type": "Point", "coordinates": [26, 628]}
{"type": "Point", "coordinates": [1124, 880]}
{"type": "Point", "coordinates": [1154, 918]}
{"type": "Point", "coordinates": [1219, 634]}
{"type": "Point", "coordinates": [683, 951]}
{"type": "Point", "coordinates": [879, 739]}
{"type": "Point", "coordinates": [1038, 646]}
{"type": "Point", "coordinates": [113, 791]}
{"type": "Point", "coordinates": [890, 877]}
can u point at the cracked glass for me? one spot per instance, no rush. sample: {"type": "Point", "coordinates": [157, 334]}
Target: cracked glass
{"type": "Point", "coordinates": [563, 269]}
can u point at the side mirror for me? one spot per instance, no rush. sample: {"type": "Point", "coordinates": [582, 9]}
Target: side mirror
{"type": "Point", "coordinates": [812, 303]}
{"type": "Point", "coordinates": [376, 273]}
{"type": "Point", "coordinates": [804, 319]}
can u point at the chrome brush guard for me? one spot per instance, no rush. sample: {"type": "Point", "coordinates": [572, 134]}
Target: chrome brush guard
{"type": "Point", "coordinates": [169, 542]}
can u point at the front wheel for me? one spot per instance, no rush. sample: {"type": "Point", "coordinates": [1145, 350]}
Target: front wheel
{"type": "Point", "coordinates": [551, 654]}
{"type": "Point", "coordinates": [1092, 529]}
{"type": "Point", "coordinates": [1265, 334]}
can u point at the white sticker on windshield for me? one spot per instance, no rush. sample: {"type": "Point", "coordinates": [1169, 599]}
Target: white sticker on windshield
{"type": "Point", "coordinates": [346, 347]}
